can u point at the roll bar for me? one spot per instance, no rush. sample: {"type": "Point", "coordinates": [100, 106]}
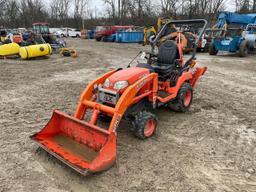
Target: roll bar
{"type": "Point", "coordinates": [191, 21]}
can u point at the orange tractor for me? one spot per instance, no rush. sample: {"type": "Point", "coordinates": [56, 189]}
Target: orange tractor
{"type": "Point", "coordinates": [165, 80]}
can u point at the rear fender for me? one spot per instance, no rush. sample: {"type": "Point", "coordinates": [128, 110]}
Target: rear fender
{"type": "Point", "coordinates": [198, 73]}
{"type": "Point", "coordinates": [173, 91]}
{"type": "Point", "coordinates": [184, 77]}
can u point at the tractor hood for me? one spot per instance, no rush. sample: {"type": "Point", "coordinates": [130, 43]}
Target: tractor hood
{"type": "Point", "coordinates": [130, 75]}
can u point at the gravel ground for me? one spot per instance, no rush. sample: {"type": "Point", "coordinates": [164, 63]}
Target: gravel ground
{"type": "Point", "coordinates": [210, 148]}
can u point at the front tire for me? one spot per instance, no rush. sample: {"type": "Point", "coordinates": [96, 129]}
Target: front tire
{"type": "Point", "coordinates": [243, 49]}
{"type": "Point", "coordinates": [183, 99]}
{"type": "Point", "coordinates": [144, 125]}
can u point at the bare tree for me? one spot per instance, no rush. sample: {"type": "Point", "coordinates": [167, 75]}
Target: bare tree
{"type": "Point", "coordinates": [111, 9]}
{"type": "Point", "coordinates": [79, 11]}
{"type": "Point", "coordinates": [12, 13]}
{"type": "Point", "coordinates": [32, 11]}
{"type": "Point", "coordinates": [170, 7]}
{"type": "Point", "coordinates": [60, 10]}
{"type": "Point", "coordinates": [245, 6]}
{"type": "Point", "coordinates": [80, 7]}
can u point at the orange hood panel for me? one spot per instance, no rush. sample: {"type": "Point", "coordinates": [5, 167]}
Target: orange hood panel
{"type": "Point", "coordinates": [131, 75]}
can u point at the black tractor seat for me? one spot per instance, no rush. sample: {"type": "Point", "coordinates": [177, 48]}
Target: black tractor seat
{"type": "Point", "coordinates": [167, 61]}
{"type": "Point", "coordinates": [167, 58]}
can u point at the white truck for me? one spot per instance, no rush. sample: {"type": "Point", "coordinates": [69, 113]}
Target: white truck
{"type": "Point", "coordinates": [74, 33]}
{"type": "Point", "coordinates": [250, 35]}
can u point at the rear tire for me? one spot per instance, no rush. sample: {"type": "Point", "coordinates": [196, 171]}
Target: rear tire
{"type": "Point", "coordinates": [144, 125]}
{"type": "Point", "coordinates": [212, 49]}
{"type": "Point", "coordinates": [243, 49]}
{"type": "Point", "coordinates": [183, 99]}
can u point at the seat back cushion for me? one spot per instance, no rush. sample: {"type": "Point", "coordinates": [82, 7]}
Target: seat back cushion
{"type": "Point", "coordinates": [168, 53]}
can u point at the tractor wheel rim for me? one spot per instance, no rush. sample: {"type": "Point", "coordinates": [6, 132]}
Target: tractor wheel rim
{"type": "Point", "coordinates": [187, 98]}
{"type": "Point", "coordinates": [149, 127]}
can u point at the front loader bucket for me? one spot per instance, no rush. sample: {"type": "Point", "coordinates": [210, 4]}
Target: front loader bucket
{"type": "Point", "coordinates": [82, 146]}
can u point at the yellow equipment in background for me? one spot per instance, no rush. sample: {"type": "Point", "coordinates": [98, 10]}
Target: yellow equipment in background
{"type": "Point", "coordinates": [152, 31]}
{"type": "Point", "coordinates": [185, 38]}
{"type": "Point", "coordinates": [67, 52]}
{"type": "Point", "coordinates": [9, 49]}
{"type": "Point", "coordinates": [161, 21]}
{"type": "Point", "coordinates": [148, 32]}
{"type": "Point", "coordinates": [35, 51]}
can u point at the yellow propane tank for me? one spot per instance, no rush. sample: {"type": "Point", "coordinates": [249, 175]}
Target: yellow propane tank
{"type": "Point", "coordinates": [9, 49]}
{"type": "Point", "coordinates": [35, 51]}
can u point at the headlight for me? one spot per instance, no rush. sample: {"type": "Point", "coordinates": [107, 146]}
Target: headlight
{"type": "Point", "coordinates": [120, 85]}
{"type": "Point", "coordinates": [106, 83]}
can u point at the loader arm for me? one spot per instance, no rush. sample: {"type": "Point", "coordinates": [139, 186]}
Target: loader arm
{"type": "Point", "coordinates": [127, 99]}
{"type": "Point", "coordinates": [87, 94]}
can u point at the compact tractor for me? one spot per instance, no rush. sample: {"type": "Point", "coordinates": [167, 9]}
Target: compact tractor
{"type": "Point", "coordinates": [164, 80]}
{"type": "Point", "coordinates": [41, 34]}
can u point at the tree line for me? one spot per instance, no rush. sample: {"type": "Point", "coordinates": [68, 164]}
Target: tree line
{"type": "Point", "coordinates": [75, 13]}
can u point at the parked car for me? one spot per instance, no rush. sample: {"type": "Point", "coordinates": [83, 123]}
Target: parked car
{"type": "Point", "coordinates": [60, 33]}
{"type": "Point", "coordinates": [74, 33]}
{"type": "Point", "coordinates": [249, 34]}
{"type": "Point", "coordinates": [53, 30]}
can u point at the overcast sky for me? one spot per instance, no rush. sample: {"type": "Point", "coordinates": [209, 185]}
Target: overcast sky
{"type": "Point", "coordinates": [97, 6]}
